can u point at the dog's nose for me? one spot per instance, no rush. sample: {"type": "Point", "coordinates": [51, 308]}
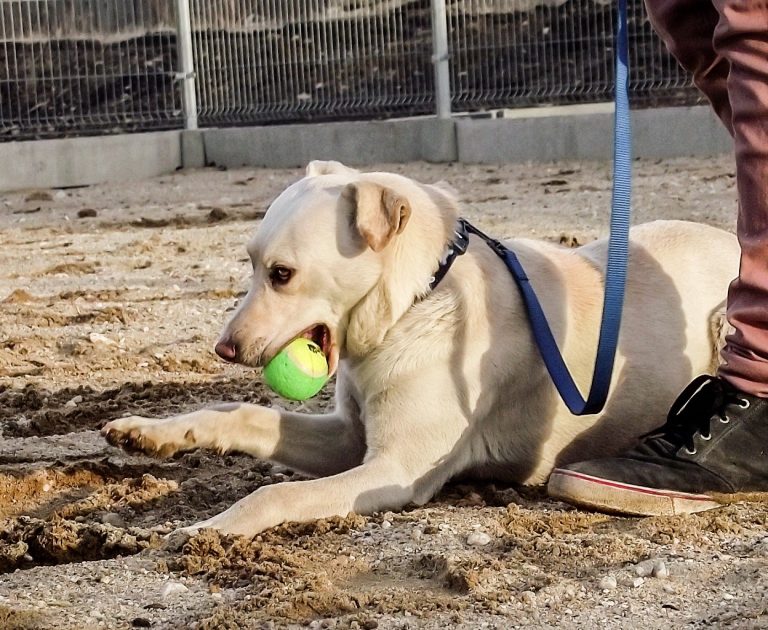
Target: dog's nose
{"type": "Point", "coordinates": [226, 349]}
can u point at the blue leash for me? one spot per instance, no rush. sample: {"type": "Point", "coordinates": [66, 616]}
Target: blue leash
{"type": "Point", "coordinates": [616, 269]}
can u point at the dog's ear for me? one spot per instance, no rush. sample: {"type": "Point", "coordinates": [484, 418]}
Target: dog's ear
{"type": "Point", "coordinates": [379, 212]}
{"type": "Point", "coordinates": [328, 167]}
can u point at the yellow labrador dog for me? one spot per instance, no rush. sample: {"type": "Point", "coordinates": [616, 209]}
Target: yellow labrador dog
{"type": "Point", "coordinates": [435, 383]}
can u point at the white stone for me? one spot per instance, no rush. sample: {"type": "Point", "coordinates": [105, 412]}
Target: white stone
{"type": "Point", "coordinates": [660, 569]}
{"type": "Point", "coordinates": [96, 338]}
{"type": "Point", "coordinates": [644, 568]}
{"type": "Point", "coordinates": [74, 402]}
{"type": "Point", "coordinates": [479, 539]}
{"type": "Point", "coordinates": [608, 583]}
{"type": "Point", "coordinates": [173, 588]}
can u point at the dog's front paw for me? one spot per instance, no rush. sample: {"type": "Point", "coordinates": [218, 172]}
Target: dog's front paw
{"type": "Point", "coordinates": [158, 438]}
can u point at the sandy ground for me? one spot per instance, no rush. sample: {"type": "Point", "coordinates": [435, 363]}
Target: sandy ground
{"type": "Point", "coordinates": [110, 300]}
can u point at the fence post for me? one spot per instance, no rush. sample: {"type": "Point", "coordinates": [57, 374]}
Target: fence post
{"type": "Point", "coordinates": [440, 59]}
{"type": "Point", "coordinates": [186, 72]}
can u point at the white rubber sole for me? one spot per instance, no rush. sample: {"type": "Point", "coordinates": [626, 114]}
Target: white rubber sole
{"type": "Point", "coordinates": [605, 495]}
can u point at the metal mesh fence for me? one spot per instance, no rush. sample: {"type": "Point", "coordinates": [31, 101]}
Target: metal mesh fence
{"type": "Point", "coordinates": [86, 66]}
{"type": "Point", "coordinates": [272, 60]}
{"type": "Point", "coordinates": [90, 66]}
{"type": "Point", "coordinates": [529, 52]}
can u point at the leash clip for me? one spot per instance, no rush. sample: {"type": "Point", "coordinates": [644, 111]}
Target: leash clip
{"type": "Point", "coordinates": [461, 242]}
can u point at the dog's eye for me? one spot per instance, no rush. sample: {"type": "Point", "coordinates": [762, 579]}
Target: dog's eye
{"type": "Point", "coordinates": [279, 275]}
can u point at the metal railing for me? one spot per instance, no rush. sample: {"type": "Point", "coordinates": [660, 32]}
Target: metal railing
{"type": "Point", "coordinates": [95, 66]}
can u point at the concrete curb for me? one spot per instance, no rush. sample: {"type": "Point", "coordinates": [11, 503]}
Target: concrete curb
{"type": "Point", "coordinates": [354, 143]}
{"type": "Point", "coordinates": [92, 160]}
{"type": "Point", "coordinates": [586, 133]}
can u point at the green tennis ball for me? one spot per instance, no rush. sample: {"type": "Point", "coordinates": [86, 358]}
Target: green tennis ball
{"type": "Point", "coordinates": [298, 371]}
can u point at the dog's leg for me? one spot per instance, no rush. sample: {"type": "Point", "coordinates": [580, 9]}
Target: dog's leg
{"type": "Point", "coordinates": [378, 484]}
{"type": "Point", "coordinates": [318, 445]}
{"type": "Point", "coordinates": [414, 445]}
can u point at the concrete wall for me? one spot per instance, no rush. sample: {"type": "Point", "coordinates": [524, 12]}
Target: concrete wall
{"type": "Point", "coordinates": [542, 134]}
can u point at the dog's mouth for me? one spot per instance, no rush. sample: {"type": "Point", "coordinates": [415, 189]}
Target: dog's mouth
{"type": "Point", "coordinates": [321, 335]}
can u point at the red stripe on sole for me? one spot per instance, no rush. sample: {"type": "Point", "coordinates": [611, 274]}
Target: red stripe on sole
{"type": "Point", "coordinates": [631, 488]}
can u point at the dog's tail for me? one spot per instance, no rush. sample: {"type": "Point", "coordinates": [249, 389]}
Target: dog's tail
{"type": "Point", "coordinates": [719, 329]}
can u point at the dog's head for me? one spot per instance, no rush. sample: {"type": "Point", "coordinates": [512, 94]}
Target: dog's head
{"type": "Point", "coordinates": [339, 256]}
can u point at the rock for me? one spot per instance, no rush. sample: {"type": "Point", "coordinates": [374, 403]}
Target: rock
{"type": "Point", "coordinates": [660, 569]}
{"type": "Point", "coordinates": [528, 598]}
{"type": "Point", "coordinates": [385, 524]}
{"type": "Point", "coordinates": [86, 213]}
{"type": "Point", "coordinates": [478, 539]}
{"type": "Point", "coordinates": [173, 588]}
{"type": "Point", "coordinates": [638, 582]}
{"type": "Point", "coordinates": [115, 520]}
{"type": "Point", "coordinates": [74, 402]}
{"type": "Point", "coordinates": [370, 624]}
{"type": "Point", "coordinates": [216, 215]}
{"type": "Point", "coordinates": [644, 568]}
{"type": "Point", "coordinates": [141, 622]}
{"type": "Point", "coordinates": [98, 338]}
{"type": "Point", "coordinates": [608, 583]}
{"type": "Point", "coordinates": [19, 296]}
{"type": "Point", "coordinates": [39, 195]}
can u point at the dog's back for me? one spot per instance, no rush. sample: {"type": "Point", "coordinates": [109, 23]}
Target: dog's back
{"type": "Point", "coordinates": [673, 326]}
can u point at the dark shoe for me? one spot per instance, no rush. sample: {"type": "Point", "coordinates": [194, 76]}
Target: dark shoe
{"type": "Point", "coordinates": [715, 442]}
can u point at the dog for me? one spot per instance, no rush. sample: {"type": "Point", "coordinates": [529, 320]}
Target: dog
{"type": "Point", "coordinates": [435, 383]}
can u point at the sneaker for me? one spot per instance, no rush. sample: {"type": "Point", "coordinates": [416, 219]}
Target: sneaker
{"type": "Point", "coordinates": [714, 443]}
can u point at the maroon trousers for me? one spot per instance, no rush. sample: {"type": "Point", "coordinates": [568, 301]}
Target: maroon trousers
{"type": "Point", "coordinates": [724, 43]}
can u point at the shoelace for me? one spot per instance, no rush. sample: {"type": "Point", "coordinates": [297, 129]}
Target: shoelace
{"type": "Point", "coordinates": [706, 398]}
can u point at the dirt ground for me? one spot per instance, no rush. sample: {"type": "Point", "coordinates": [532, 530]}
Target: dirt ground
{"type": "Point", "coordinates": [110, 300]}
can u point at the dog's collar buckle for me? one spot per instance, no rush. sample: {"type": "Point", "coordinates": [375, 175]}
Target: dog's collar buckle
{"type": "Point", "coordinates": [455, 248]}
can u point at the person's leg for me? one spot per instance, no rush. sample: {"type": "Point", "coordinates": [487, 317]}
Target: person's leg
{"type": "Point", "coordinates": [687, 28]}
{"type": "Point", "coordinates": [715, 441]}
{"type": "Point", "coordinates": [725, 47]}
{"type": "Point", "coordinates": [741, 37]}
